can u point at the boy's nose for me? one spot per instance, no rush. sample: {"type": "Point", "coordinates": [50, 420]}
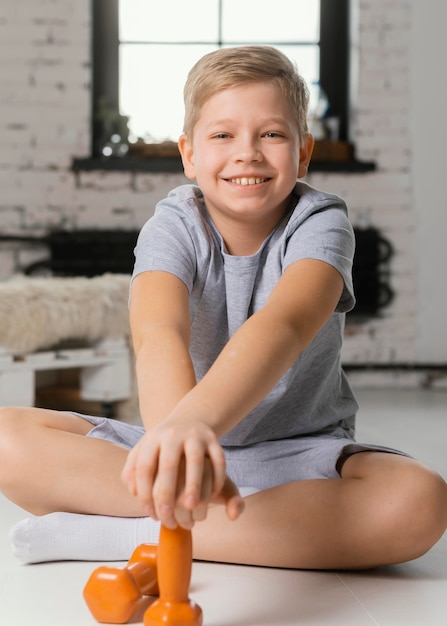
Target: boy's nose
{"type": "Point", "coordinates": [248, 150]}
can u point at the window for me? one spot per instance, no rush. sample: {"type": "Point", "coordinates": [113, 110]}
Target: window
{"type": "Point", "coordinates": [143, 49]}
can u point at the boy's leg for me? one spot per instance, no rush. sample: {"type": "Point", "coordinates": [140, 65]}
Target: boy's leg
{"type": "Point", "coordinates": [385, 509]}
{"type": "Point", "coordinates": [48, 464]}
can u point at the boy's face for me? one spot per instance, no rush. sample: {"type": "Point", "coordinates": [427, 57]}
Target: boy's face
{"type": "Point", "coordinates": [245, 154]}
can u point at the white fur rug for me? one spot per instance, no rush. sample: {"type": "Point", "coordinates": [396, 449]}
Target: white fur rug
{"type": "Point", "coordinates": [37, 313]}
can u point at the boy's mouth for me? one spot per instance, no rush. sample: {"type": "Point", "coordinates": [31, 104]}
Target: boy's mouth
{"type": "Point", "coordinates": [248, 181]}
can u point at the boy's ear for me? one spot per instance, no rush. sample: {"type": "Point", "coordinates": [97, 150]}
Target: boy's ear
{"type": "Point", "coordinates": [186, 152]}
{"type": "Point", "coordinates": [305, 154]}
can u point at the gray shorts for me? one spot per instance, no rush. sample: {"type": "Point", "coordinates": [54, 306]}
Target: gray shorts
{"type": "Point", "coordinates": [268, 464]}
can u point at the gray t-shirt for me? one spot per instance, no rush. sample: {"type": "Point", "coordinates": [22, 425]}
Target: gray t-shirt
{"type": "Point", "coordinates": [314, 394]}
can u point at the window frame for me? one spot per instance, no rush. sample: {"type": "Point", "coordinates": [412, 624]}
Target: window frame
{"type": "Point", "coordinates": [335, 79]}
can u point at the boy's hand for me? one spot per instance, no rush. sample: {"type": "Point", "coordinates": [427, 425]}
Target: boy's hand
{"type": "Point", "coordinates": [176, 470]}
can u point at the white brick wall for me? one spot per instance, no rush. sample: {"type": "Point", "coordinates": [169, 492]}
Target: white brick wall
{"type": "Point", "coordinates": [383, 199]}
{"type": "Point", "coordinates": [44, 123]}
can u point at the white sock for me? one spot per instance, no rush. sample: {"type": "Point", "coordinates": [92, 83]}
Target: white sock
{"type": "Point", "coordinates": [75, 537]}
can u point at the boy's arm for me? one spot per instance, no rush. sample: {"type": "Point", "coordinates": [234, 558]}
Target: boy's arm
{"type": "Point", "coordinates": [265, 346]}
{"type": "Point", "coordinates": [160, 325]}
{"type": "Point", "coordinates": [249, 366]}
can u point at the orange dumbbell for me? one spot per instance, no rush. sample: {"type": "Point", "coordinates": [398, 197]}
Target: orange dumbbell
{"type": "Point", "coordinates": [113, 594]}
{"type": "Point", "coordinates": [174, 561]}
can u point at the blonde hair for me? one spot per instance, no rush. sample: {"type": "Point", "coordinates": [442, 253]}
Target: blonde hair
{"type": "Point", "coordinates": [230, 67]}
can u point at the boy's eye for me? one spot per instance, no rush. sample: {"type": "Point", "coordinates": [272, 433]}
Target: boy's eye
{"type": "Point", "coordinates": [273, 134]}
{"type": "Point", "coordinates": [221, 136]}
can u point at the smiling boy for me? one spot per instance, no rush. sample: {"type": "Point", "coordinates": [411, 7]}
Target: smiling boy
{"type": "Point", "coordinates": [237, 307]}
{"type": "Point", "coordinates": [246, 153]}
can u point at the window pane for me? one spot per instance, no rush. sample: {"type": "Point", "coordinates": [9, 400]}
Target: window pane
{"type": "Point", "coordinates": [168, 20]}
{"type": "Point", "coordinates": [152, 76]}
{"type": "Point", "coordinates": [306, 59]}
{"type": "Point", "coordinates": [155, 104]}
{"type": "Point", "coordinates": [262, 21]}
{"type": "Point", "coordinates": [151, 87]}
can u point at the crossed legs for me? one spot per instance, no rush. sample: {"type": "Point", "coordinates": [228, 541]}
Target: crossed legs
{"type": "Point", "coordinates": [384, 509]}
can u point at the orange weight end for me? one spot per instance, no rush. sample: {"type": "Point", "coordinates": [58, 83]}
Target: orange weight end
{"type": "Point", "coordinates": [173, 614]}
{"type": "Point", "coordinates": [111, 595]}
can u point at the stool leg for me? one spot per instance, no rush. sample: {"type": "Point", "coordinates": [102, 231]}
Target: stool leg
{"type": "Point", "coordinates": [174, 563]}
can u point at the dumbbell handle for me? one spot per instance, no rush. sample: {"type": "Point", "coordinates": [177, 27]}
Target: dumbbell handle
{"type": "Point", "coordinates": [143, 568]}
{"type": "Point", "coordinates": [143, 576]}
{"type": "Point", "coordinates": [174, 563]}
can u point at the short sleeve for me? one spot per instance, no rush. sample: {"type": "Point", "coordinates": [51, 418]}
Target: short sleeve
{"type": "Point", "coordinates": [326, 235]}
{"type": "Point", "coordinates": [165, 244]}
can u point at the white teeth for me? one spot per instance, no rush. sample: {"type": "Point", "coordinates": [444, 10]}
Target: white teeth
{"type": "Point", "coordinates": [248, 181]}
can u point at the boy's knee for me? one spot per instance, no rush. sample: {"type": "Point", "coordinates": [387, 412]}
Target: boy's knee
{"type": "Point", "coordinates": [435, 497]}
{"type": "Point", "coordinates": [407, 502]}
{"type": "Point", "coordinates": [420, 509]}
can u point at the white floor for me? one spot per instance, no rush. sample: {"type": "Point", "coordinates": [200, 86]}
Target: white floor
{"type": "Point", "coordinates": [414, 593]}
